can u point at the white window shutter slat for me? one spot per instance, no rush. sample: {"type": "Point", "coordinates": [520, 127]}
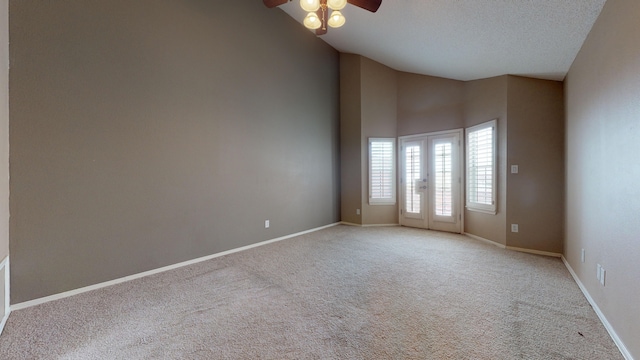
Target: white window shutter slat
{"type": "Point", "coordinates": [382, 168]}
{"type": "Point", "coordinates": [481, 167]}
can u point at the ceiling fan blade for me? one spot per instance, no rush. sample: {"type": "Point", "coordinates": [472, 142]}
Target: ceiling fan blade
{"type": "Point", "coordinates": [324, 17]}
{"type": "Point", "coordinates": [274, 3]}
{"type": "Point", "coordinates": [371, 5]}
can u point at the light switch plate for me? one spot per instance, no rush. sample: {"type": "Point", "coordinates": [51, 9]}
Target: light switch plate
{"type": "Point", "coordinates": [514, 169]}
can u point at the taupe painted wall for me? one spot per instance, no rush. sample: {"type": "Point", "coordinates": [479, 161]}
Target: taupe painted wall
{"type": "Point", "coordinates": [485, 100]}
{"type": "Point", "coordinates": [535, 142]}
{"type": "Point", "coordinates": [429, 104]}
{"type": "Point", "coordinates": [379, 106]}
{"type": "Point", "coordinates": [533, 139]}
{"type": "Point", "coordinates": [4, 130]}
{"type": "Point", "coordinates": [368, 103]}
{"type": "Point", "coordinates": [145, 133]}
{"type": "Point", "coordinates": [603, 172]}
{"type": "Point", "coordinates": [350, 138]}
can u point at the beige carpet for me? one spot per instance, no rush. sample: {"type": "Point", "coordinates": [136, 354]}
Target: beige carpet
{"type": "Point", "coordinates": [340, 293]}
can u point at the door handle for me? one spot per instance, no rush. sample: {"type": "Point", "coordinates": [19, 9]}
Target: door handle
{"type": "Point", "coordinates": [419, 185]}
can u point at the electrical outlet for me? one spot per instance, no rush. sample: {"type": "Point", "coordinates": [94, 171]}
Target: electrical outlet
{"type": "Point", "coordinates": [357, 211]}
{"type": "Point", "coordinates": [266, 224]}
{"type": "Point", "coordinates": [514, 228]}
{"type": "Point", "coordinates": [582, 256]}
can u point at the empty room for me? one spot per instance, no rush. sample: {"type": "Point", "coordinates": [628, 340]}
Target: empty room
{"type": "Point", "coordinates": [319, 179]}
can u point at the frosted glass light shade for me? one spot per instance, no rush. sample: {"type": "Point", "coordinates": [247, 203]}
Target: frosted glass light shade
{"type": "Point", "coordinates": [336, 4]}
{"type": "Point", "coordinates": [312, 21]}
{"type": "Point", "coordinates": [310, 5]}
{"type": "Point", "coordinates": [336, 19]}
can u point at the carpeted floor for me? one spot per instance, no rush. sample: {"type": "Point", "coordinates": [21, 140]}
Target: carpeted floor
{"type": "Point", "coordinates": [340, 293]}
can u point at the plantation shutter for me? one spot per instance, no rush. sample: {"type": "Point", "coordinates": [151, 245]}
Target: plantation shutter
{"type": "Point", "coordinates": [481, 174]}
{"type": "Point", "coordinates": [413, 164]}
{"type": "Point", "coordinates": [382, 176]}
{"type": "Point", "coordinates": [443, 173]}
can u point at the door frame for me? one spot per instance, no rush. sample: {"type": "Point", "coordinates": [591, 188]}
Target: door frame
{"type": "Point", "coordinates": [461, 170]}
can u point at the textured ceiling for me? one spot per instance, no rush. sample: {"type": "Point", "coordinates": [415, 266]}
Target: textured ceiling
{"type": "Point", "coordinates": [467, 39]}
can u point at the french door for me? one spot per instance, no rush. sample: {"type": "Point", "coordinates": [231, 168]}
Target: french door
{"type": "Point", "coordinates": [430, 180]}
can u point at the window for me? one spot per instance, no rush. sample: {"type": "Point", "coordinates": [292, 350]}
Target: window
{"type": "Point", "coordinates": [481, 167]}
{"type": "Point", "coordinates": [443, 173]}
{"type": "Point", "coordinates": [382, 171]}
{"type": "Point", "coordinates": [412, 163]}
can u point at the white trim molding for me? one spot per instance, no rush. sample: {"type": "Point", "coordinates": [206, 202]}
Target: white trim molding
{"type": "Point", "coordinates": [69, 293]}
{"type": "Point", "coordinates": [436, 133]}
{"type": "Point", "coordinates": [367, 225]}
{"type": "Point", "coordinates": [487, 241]}
{"type": "Point", "coordinates": [603, 319]}
{"type": "Point", "coordinates": [7, 309]}
{"type": "Point", "coordinates": [513, 248]}
{"type": "Point", "coordinates": [535, 252]}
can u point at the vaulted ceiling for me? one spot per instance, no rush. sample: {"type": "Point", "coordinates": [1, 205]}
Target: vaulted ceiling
{"type": "Point", "coordinates": [467, 39]}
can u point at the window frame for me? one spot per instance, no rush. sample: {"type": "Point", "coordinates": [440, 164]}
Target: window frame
{"type": "Point", "coordinates": [469, 204]}
{"type": "Point", "coordinates": [389, 200]}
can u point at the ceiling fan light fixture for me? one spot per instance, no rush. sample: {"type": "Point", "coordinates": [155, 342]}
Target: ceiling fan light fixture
{"type": "Point", "coordinates": [336, 20]}
{"type": "Point", "coordinates": [310, 5]}
{"type": "Point", "coordinates": [336, 4]}
{"type": "Point", "coordinates": [312, 21]}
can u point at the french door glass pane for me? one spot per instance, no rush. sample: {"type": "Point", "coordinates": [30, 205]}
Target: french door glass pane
{"type": "Point", "coordinates": [413, 172]}
{"type": "Point", "coordinates": [443, 192]}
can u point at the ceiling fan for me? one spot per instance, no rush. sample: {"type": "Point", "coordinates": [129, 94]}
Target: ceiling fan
{"type": "Point", "coordinates": [318, 11]}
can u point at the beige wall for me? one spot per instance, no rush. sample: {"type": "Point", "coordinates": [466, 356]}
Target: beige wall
{"type": "Point", "coordinates": [429, 104]}
{"type": "Point", "coordinates": [486, 100]}
{"type": "Point", "coordinates": [603, 172]}
{"type": "Point", "coordinates": [4, 129]}
{"type": "Point", "coordinates": [533, 139]}
{"type": "Point", "coordinates": [535, 142]}
{"type": "Point", "coordinates": [4, 151]}
{"type": "Point", "coordinates": [350, 138]}
{"type": "Point", "coordinates": [379, 104]}
{"type": "Point", "coordinates": [368, 103]}
{"type": "Point", "coordinates": [147, 133]}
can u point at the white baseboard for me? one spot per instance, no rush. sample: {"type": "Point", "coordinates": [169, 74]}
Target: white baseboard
{"type": "Point", "coordinates": [4, 265]}
{"type": "Point", "coordinates": [487, 241]}
{"type": "Point", "coordinates": [513, 248]}
{"type": "Point", "coordinates": [536, 252]}
{"type": "Point", "coordinates": [603, 319]}
{"type": "Point", "coordinates": [69, 293]}
{"type": "Point", "coordinates": [367, 225]}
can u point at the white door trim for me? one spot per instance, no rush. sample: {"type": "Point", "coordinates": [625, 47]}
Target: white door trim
{"type": "Point", "coordinates": [5, 282]}
{"type": "Point", "coordinates": [461, 170]}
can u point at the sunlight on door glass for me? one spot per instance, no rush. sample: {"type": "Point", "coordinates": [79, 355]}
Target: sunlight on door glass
{"type": "Point", "coordinates": [443, 179]}
{"type": "Point", "coordinates": [413, 172]}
